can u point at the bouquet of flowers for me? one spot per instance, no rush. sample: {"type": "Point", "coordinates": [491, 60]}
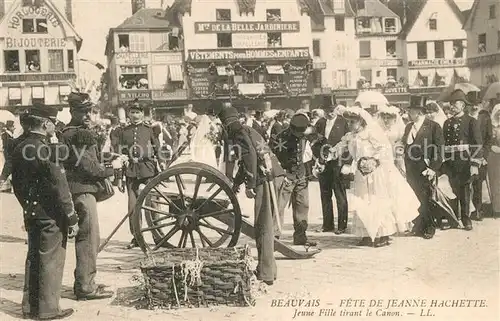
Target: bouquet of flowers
{"type": "Point", "coordinates": [215, 134]}
{"type": "Point", "coordinates": [367, 165]}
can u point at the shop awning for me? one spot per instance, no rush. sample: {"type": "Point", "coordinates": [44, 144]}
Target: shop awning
{"type": "Point", "coordinates": [251, 89]}
{"type": "Point", "coordinates": [441, 72]}
{"type": "Point", "coordinates": [64, 90]}
{"type": "Point", "coordinates": [175, 72]}
{"type": "Point", "coordinates": [275, 70]}
{"type": "Point", "coordinates": [37, 92]}
{"type": "Point", "coordinates": [223, 71]}
{"type": "Point", "coordinates": [14, 93]}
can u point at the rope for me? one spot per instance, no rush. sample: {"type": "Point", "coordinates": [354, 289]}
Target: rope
{"type": "Point", "coordinates": [191, 270]}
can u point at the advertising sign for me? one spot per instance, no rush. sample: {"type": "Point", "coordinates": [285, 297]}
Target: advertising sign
{"type": "Point", "coordinates": [34, 42]}
{"type": "Point", "coordinates": [36, 77]}
{"type": "Point", "coordinates": [16, 19]}
{"type": "Point", "coordinates": [247, 27]}
{"type": "Point", "coordinates": [249, 40]}
{"type": "Point", "coordinates": [132, 58]}
{"type": "Point", "coordinates": [248, 54]}
{"type": "Point", "coordinates": [436, 62]}
{"type": "Point", "coordinates": [128, 95]}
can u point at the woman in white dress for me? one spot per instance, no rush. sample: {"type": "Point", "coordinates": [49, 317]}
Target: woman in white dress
{"type": "Point", "coordinates": [393, 125]}
{"type": "Point", "coordinates": [494, 162]}
{"type": "Point", "coordinates": [382, 200]}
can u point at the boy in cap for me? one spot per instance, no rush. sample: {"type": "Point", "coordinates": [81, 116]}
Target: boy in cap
{"type": "Point", "coordinates": [289, 147]}
{"type": "Point", "coordinates": [252, 149]}
{"type": "Point", "coordinates": [463, 153]}
{"type": "Point", "coordinates": [41, 187]}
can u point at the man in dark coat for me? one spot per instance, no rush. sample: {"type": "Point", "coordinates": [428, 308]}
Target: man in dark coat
{"type": "Point", "coordinates": [84, 171]}
{"type": "Point", "coordinates": [278, 125]}
{"type": "Point", "coordinates": [114, 134]}
{"type": "Point", "coordinates": [7, 140]}
{"type": "Point", "coordinates": [329, 131]}
{"type": "Point", "coordinates": [141, 145]}
{"type": "Point", "coordinates": [251, 150]}
{"type": "Point", "coordinates": [41, 187]}
{"type": "Point", "coordinates": [463, 153]}
{"type": "Point", "coordinates": [423, 145]}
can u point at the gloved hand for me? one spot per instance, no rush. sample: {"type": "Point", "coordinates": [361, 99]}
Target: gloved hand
{"type": "Point", "coordinates": [429, 173]}
{"type": "Point", "coordinates": [474, 170]}
{"type": "Point", "coordinates": [72, 225]}
{"type": "Point", "coordinates": [346, 170]}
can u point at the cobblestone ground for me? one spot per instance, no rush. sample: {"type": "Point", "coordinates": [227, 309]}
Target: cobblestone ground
{"type": "Point", "coordinates": [454, 265]}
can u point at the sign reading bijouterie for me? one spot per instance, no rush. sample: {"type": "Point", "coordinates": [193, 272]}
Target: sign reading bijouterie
{"type": "Point", "coordinates": [246, 27]}
{"type": "Point", "coordinates": [35, 43]}
{"type": "Point", "coordinates": [248, 54]}
{"type": "Point", "coordinates": [37, 77]}
{"type": "Point", "coordinates": [128, 95]}
{"type": "Point", "coordinates": [436, 62]}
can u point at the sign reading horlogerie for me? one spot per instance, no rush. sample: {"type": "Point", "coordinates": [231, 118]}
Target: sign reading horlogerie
{"type": "Point", "coordinates": [248, 54]}
{"type": "Point", "coordinates": [246, 27]}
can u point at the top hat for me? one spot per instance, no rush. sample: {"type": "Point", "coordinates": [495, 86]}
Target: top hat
{"type": "Point", "coordinates": [473, 97]}
{"type": "Point", "coordinates": [458, 95]}
{"type": "Point", "coordinates": [9, 123]}
{"type": "Point", "coordinates": [417, 101]}
{"type": "Point", "coordinates": [329, 102]}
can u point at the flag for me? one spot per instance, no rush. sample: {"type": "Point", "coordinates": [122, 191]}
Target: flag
{"type": "Point", "coordinates": [95, 63]}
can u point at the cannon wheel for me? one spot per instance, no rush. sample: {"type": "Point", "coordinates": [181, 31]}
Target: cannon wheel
{"type": "Point", "coordinates": [187, 214]}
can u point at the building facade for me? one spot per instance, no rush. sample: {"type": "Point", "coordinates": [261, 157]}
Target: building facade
{"type": "Point", "coordinates": [248, 52]}
{"type": "Point", "coordinates": [483, 37]}
{"type": "Point", "coordinates": [436, 46]}
{"type": "Point", "coordinates": [39, 48]}
{"type": "Point", "coordinates": [145, 62]}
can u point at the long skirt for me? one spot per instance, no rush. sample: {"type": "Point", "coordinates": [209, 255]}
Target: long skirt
{"type": "Point", "coordinates": [494, 179]}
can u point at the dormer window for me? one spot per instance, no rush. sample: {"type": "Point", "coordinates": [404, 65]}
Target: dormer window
{"type": "Point", "coordinates": [123, 42]}
{"type": "Point", "coordinates": [273, 15]}
{"type": "Point", "coordinates": [390, 25]}
{"type": "Point", "coordinates": [433, 24]}
{"type": "Point", "coordinates": [223, 14]}
{"type": "Point", "coordinates": [35, 26]}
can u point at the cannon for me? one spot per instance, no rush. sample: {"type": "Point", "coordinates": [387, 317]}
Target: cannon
{"type": "Point", "coordinates": [192, 205]}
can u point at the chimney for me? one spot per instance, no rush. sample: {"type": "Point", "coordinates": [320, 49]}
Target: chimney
{"type": "Point", "coordinates": [137, 5]}
{"type": "Point", "coordinates": [69, 10]}
{"type": "Point", "coordinates": [2, 8]}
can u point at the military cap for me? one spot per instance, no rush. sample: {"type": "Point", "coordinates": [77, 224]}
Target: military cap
{"type": "Point", "coordinates": [43, 111]}
{"type": "Point", "coordinates": [229, 115]}
{"type": "Point", "coordinates": [299, 121]}
{"type": "Point", "coordinates": [458, 95]}
{"type": "Point", "coordinates": [79, 101]}
{"type": "Point", "coordinates": [135, 105]}
{"type": "Point", "coordinates": [417, 101]}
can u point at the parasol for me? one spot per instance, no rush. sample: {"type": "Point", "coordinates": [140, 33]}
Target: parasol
{"type": "Point", "coordinates": [493, 91]}
{"type": "Point", "coordinates": [465, 87]}
{"type": "Point", "coordinates": [368, 99]}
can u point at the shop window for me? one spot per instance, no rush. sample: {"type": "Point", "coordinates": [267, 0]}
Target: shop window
{"type": "Point", "coordinates": [223, 14]}
{"type": "Point", "coordinates": [458, 48]}
{"type": "Point", "coordinates": [339, 23]}
{"type": "Point", "coordinates": [438, 49]}
{"type": "Point", "coordinates": [316, 76]}
{"type": "Point", "coordinates": [123, 42]}
{"type": "Point", "coordinates": [133, 77]}
{"type": "Point", "coordinates": [32, 60]}
{"type": "Point", "coordinates": [15, 96]}
{"type": "Point", "coordinates": [390, 25]}
{"type": "Point", "coordinates": [175, 77]}
{"type": "Point", "coordinates": [35, 26]}
{"type": "Point", "coordinates": [422, 50]}
{"type": "Point", "coordinates": [38, 95]}
{"type": "Point", "coordinates": [224, 40]}
{"type": "Point", "coordinates": [274, 39]}
{"type": "Point", "coordinates": [364, 49]}
{"type": "Point", "coordinates": [390, 48]}
{"type": "Point", "coordinates": [71, 60]}
{"type": "Point", "coordinates": [11, 60]}
{"type": "Point", "coordinates": [316, 48]}
{"type": "Point", "coordinates": [273, 15]}
{"type": "Point", "coordinates": [481, 43]}
{"type": "Point", "coordinates": [366, 75]}
{"type": "Point", "coordinates": [56, 60]}
{"type": "Point", "coordinates": [424, 81]}
{"type": "Point", "coordinates": [493, 11]}
{"type": "Point", "coordinates": [433, 24]}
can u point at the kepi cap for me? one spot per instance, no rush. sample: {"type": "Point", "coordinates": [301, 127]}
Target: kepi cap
{"type": "Point", "coordinates": [43, 111]}
{"type": "Point", "coordinates": [134, 105]}
{"type": "Point", "coordinates": [79, 101]}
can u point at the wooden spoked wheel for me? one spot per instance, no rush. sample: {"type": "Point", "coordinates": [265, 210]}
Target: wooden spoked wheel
{"type": "Point", "coordinates": [188, 205]}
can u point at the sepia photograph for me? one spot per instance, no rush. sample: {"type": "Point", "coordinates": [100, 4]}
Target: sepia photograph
{"type": "Point", "coordinates": [255, 160]}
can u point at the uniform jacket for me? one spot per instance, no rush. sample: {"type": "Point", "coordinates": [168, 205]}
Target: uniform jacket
{"type": "Point", "coordinates": [339, 129]}
{"type": "Point", "coordinates": [139, 143]}
{"type": "Point", "coordinates": [427, 146]}
{"type": "Point", "coordinates": [464, 130]}
{"type": "Point", "coordinates": [39, 184]}
{"type": "Point", "coordinates": [290, 151]}
{"type": "Point", "coordinates": [83, 166]}
{"type": "Point", "coordinates": [276, 129]}
{"type": "Point", "coordinates": [259, 129]}
{"type": "Point", "coordinates": [7, 140]}
{"type": "Point", "coordinates": [250, 147]}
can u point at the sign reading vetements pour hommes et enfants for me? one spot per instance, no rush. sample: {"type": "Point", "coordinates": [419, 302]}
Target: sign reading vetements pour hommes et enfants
{"type": "Point", "coordinates": [246, 27]}
{"type": "Point", "coordinates": [16, 19]}
{"type": "Point", "coordinates": [35, 43]}
{"type": "Point", "coordinates": [248, 54]}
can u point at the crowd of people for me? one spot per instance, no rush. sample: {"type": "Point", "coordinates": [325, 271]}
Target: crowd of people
{"type": "Point", "coordinates": [394, 163]}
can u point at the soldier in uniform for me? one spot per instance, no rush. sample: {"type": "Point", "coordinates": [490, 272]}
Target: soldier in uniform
{"type": "Point", "coordinates": [251, 148]}
{"type": "Point", "coordinates": [138, 142]}
{"type": "Point", "coordinates": [289, 147]}
{"type": "Point", "coordinates": [41, 187]}
{"type": "Point", "coordinates": [463, 153]}
{"type": "Point", "coordinates": [84, 172]}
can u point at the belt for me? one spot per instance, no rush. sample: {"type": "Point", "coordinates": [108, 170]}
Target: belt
{"type": "Point", "coordinates": [456, 148]}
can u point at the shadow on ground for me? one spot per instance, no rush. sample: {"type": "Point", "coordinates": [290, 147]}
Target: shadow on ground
{"type": "Point", "coordinates": [11, 239]}
{"type": "Point", "coordinates": [131, 296]}
{"type": "Point", "coordinates": [11, 308]}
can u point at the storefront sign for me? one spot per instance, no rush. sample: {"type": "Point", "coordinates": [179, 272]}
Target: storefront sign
{"type": "Point", "coordinates": [248, 54]}
{"type": "Point", "coordinates": [35, 43]}
{"type": "Point", "coordinates": [178, 94]}
{"type": "Point", "coordinates": [380, 62]}
{"type": "Point", "coordinates": [132, 58]}
{"type": "Point", "coordinates": [166, 58]}
{"type": "Point", "coordinates": [298, 82]}
{"type": "Point", "coordinates": [246, 27]}
{"type": "Point", "coordinates": [128, 95]}
{"type": "Point", "coordinates": [17, 17]}
{"type": "Point", "coordinates": [436, 62]}
{"type": "Point", "coordinates": [395, 90]}
{"type": "Point", "coordinates": [249, 40]}
{"type": "Point", "coordinates": [493, 59]}
{"type": "Point", "coordinates": [345, 92]}
{"type": "Point", "coordinates": [319, 65]}
{"type": "Point", "coordinates": [322, 91]}
{"type": "Point", "coordinates": [199, 82]}
{"type": "Point", "coordinates": [37, 77]}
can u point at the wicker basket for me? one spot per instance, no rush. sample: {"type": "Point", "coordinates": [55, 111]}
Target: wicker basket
{"type": "Point", "coordinates": [176, 278]}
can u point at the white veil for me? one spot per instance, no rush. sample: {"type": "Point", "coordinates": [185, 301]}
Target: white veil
{"type": "Point", "coordinates": [398, 126]}
{"type": "Point", "coordinates": [495, 114]}
{"type": "Point", "coordinates": [440, 117]}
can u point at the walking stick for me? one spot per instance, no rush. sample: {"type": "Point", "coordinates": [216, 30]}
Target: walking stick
{"type": "Point", "coordinates": [272, 190]}
{"type": "Point", "coordinates": [106, 241]}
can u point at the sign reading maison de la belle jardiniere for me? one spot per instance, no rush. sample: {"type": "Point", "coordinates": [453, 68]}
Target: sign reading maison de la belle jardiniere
{"type": "Point", "coordinates": [16, 19]}
{"type": "Point", "coordinates": [248, 54]}
{"type": "Point", "coordinates": [246, 27]}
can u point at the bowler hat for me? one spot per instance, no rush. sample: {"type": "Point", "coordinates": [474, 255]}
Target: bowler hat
{"type": "Point", "coordinates": [43, 111]}
{"type": "Point", "coordinates": [229, 115]}
{"type": "Point", "coordinates": [458, 95]}
{"type": "Point", "coordinates": [473, 97]}
{"type": "Point", "coordinates": [417, 101]}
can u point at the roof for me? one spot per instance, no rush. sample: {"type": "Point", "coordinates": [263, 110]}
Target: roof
{"type": "Point", "coordinates": [145, 19]}
{"type": "Point", "coordinates": [469, 18]}
{"type": "Point", "coordinates": [246, 6]}
{"type": "Point", "coordinates": [324, 8]}
{"type": "Point", "coordinates": [414, 9]}
{"type": "Point", "coordinates": [373, 8]}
